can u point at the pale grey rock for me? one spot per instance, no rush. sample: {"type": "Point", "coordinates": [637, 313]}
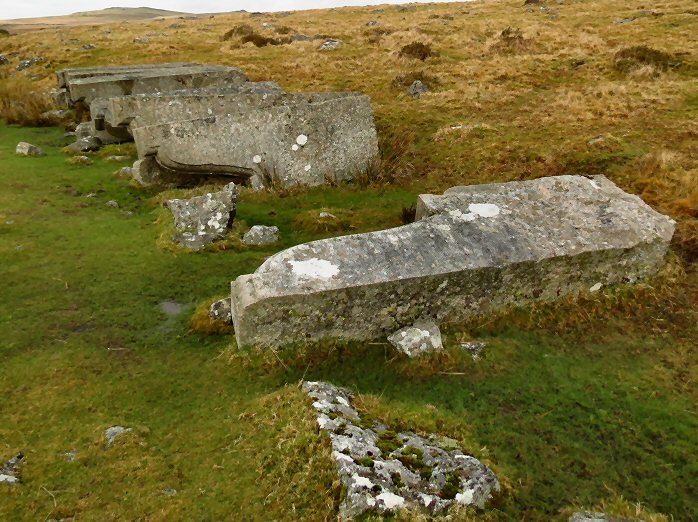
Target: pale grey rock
{"type": "Point", "coordinates": [421, 338]}
{"type": "Point", "coordinates": [90, 85]}
{"type": "Point", "coordinates": [113, 433]}
{"type": "Point", "coordinates": [25, 64]}
{"type": "Point", "coordinates": [331, 44]}
{"type": "Point", "coordinates": [220, 311]}
{"type": "Point", "coordinates": [117, 158]}
{"type": "Point", "coordinates": [141, 40]}
{"type": "Point", "coordinates": [417, 89]}
{"type": "Point", "coordinates": [372, 23]}
{"type": "Point", "coordinates": [106, 135]}
{"type": "Point", "coordinates": [27, 149]}
{"type": "Point", "coordinates": [378, 481]}
{"type": "Point", "coordinates": [260, 235]}
{"type": "Point", "coordinates": [4, 60]}
{"type": "Point", "coordinates": [112, 204]}
{"type": "Point", "coordinates": [204, 219]}
{"type": "Point", "coordinates": [590, 516]}
{"type": "Point", "coordinates": [8, 479]}
{"type": "Point", "coordinates": [474, 348]}
{"type": "Point", "coordinates": [126, 171]}
{"type": "Point", "coordinates": [89, 144]}
{"type": "Point", "coordinates": [259, 136]}
{"type": "Point", "coordinates": [143, 110]}
{"type": "Point", "coordinates": [70, 456]}
{"type": "Point", "coordinates": [327, 215]}
{"type": "Point", "coordinates": [472, 251]}
{"type": "Point", "coordinates": [169, 492]}
{"type": "Point", "coordinates": [88, 47]}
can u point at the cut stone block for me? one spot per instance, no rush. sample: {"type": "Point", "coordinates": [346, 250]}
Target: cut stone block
{"type": "Point", "coordinates": [475, 250]}
{"type": "Point", "coordinates": [168, 79]}
{"type": "Point", "coordinates": [64, 76]}
{"type": "Point", "coordinates": [290, 139]}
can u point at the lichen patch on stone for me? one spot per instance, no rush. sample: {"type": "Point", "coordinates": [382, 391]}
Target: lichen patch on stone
{"type": "Point", "coordinates": [314, 268]}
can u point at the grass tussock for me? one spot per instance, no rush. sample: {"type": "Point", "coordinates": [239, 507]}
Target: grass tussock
{"type": "Point", "coordinates": [417, 51]}
{"type": "Point", "coordinates": [23, 103]}
{"type": "Point", "coordinates": [118, 149]}
{"type": "Point", "coordinates": [619, 507]}
{"type": "Point", "coordinates": [259, 40]}
{"type": "Point", "coordinates": [405, 79]}
{"type": "Point", "coordinates": [640, 57]}
{"type": "Point", "coordinates": [511, 40]}
{"type": "Point", "coordinates": [238, 30]}
{"type": "Point", "coordinates": [324, 220]}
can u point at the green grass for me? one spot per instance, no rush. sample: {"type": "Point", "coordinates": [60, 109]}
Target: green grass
{"type": "Point", "coordinates": [564, 415]}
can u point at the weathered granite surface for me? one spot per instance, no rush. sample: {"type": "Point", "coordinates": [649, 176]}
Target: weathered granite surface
{"type": "Point", "coordinates": [90, 88]}
{"type": "Point", "coordinates": [474, 250]}
{"type": "Point", "coordinates": [66, 75]}
{"type": "Point", "coordinates": [260, 235]}
{"type": "Point", "coordinates": [420, 338]}
{"type": "Point", "coordinates": [382, 470]}
{"type": "Point", "coordinates": [204, 219]}
{"type": "Point", "coordinates": [293, 139]}
{"type": "Point", "coordinates": [143, 110]}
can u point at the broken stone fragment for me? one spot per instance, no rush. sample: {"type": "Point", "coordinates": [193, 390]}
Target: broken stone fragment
{"type": "Point", "coordinates": [417, 89]}
{"type": "Point", "coordinates": [420, 338]}
{"type": "Point", "coordinates": [474, 348]}
{"type": "Point", "coordinates": [9, 472]}
{"type": "Point", "coordinates": [289, 139]}
{"type": "Point", "coordinates": [472, 251]}
{"type": "Point", "coordinates": [204, 219]}
{"type": "Point", "coordinates": [220, 311]}
{"type": "Point", "coordinates": [88, 144]}
{"type": "Point", "coordinates": [589, 516]}
{"type": "Point", "coordinates": [260, 235]}
{"type": "Point", "coordinates": [27, 149]}
{"type": "Point", "coordinates": [382, 471]}
{"type": "Point", "coordinates": [331, 44]}
{"type": "Point", "coordinates": [113, 433]}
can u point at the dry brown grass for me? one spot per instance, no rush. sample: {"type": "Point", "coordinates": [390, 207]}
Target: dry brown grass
{"type": "Point", "coordinates": [23, 103]}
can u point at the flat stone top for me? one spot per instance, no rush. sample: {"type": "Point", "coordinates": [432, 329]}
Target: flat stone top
{"type": "Point", "coordinates": [153, 72]}
{"type": "Point", "coordinates": [470, 228]}
{"type": "Point", "coordinates": [65, 75]}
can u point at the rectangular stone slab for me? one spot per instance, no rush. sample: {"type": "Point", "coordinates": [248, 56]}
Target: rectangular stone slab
{"type": "Point", "coordinates": [151, 81]}
{"type": "Point", "coordinates": [475, 250]}
{"type": "Point", "coordinates": [144, 110]}
{"type": "Point", "coordinates": [64, 76]}
{"type": "Point", "coordinates": [295, 139]}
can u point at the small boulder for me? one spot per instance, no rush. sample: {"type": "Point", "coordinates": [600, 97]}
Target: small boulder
{"type": "Point", "coordinates": [25, 64]}
{"type": "Point", "coordinates": [141, 40]}
{"type": "Point", "coordinates": [88, 47]}
{"type": "Point", "coordinates": [220, 311]}
{"type": "Point", "coordinates": [9, 472]}
{"type": "Point", "coordinates": [112, 204]}
{"type": "Point", "coordinates": [4, 60]}
{"type": "Point", "coordinates": [88, 144]}
{"type": "Point", "coordinates": [204, 219]}
{"type": "Point", "coordinates": [474, 348]}
{"type": "Point", "coordinates": [260, 235]}
{"type": "Point", "coordinates": [420, 338]}
{"type": "Point", "coordinates": [113, 433]}
{"type": "Point", "coordinates": [372, 23]}
{"type": "Point", "coordinates": [331, 44]}
{"type": "Point", "coordinates": [27, 149]}
{"type": "Point", "coordinates": [417, 89]}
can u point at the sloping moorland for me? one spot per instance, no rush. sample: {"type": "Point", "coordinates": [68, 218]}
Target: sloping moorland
{"type": "Point", "coordinates": [576, 404]}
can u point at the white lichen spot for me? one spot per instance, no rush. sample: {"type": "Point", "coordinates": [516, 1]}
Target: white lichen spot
{"type": "Point", "coordinates": [302, 139]}
{"type": "Point", "coordinates": [342, 400]}
{"type": "Point", "coordinates": [314, 268]}
{"type": "Point", "coordinates": [307, 168]}
{"type": "Point", "coordinates": [338, 456]}
{"type": "Point", "coordinates": [426, 499]}
{"type": "Point", "coordinates": [391, 500]}
{"type": "Point", "coordinates": [486, 210]}
{"type": "Point", "coordinates": [361, 481]}
{"type": "Point", "coordinates": [257, 159]}
{"type": "Point", "coordinates": [460, 216]}
{"type": "Point", "coordinates": [323, 422]}
{"type": "Point", "coordinates": [294, 147]}
{"type": "Point", "coordinates": [595, 288]}
{"type": "Point", "coordinates": [465, 498]}
{"type": "Point", "coordinates": [594, 184]}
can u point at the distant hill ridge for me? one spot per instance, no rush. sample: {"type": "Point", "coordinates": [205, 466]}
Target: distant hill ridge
{"type": "Point", "coordinates": [108, 15]}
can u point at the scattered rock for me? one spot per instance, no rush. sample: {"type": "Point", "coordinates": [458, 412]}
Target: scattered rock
{"type": "Point", "coordinates": [88, 144]}
{"type": "Point", "coordinates": [126, 172]}
{"type": "Point", "coordinates": [88, 47]}
{"type": "Point", "coordinates": [372, 23]}
{"type": "Point", "coordinates": [588, 516]}
{"type": "Point", "coordinates": [331, 44]}
{"type": "Point", "coordinates": [25, 64]}
{"type": "Point", "coordinates": [112, 204]}
{"type": "Point", "coordinates": [27, 149]}
{"type": "Point", "coordinates": [169, 492]}
{"type": "Point", "coordinates": [10, 472]}
{"type": "Point", "coordinates": [70, 456]}
{"type": "Point", "coordinates": [113, 433]}
{"type": "Point", "coordinates": [418, 339]}
{"type": "Point", "coordinates": [382, 471]}
{"type": "Point", "coordinates": [260, 235]}
{"type": "Point", "coordinates": [417, 89]}
{"type": "Point", "coordinates": [80, 160]}
{"type": "Point", "coordinates": [474, 348]}
{"type": "Point", "coordinates": [327, 215]}
{"type": "Point", "coordinates": [141, 40]}
{"type": "Point", "coordinates": [117, 158]}
{"type": "Point", "coordinates": [4, 60]}
{"type": "Point", "coordinates": [204, 219]}
{"type": "Point", "coordinates": [220, 311]}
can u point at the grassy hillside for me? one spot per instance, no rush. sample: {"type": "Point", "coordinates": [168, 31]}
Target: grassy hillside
{"type": "Point", "coordinates": [576, 404]}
